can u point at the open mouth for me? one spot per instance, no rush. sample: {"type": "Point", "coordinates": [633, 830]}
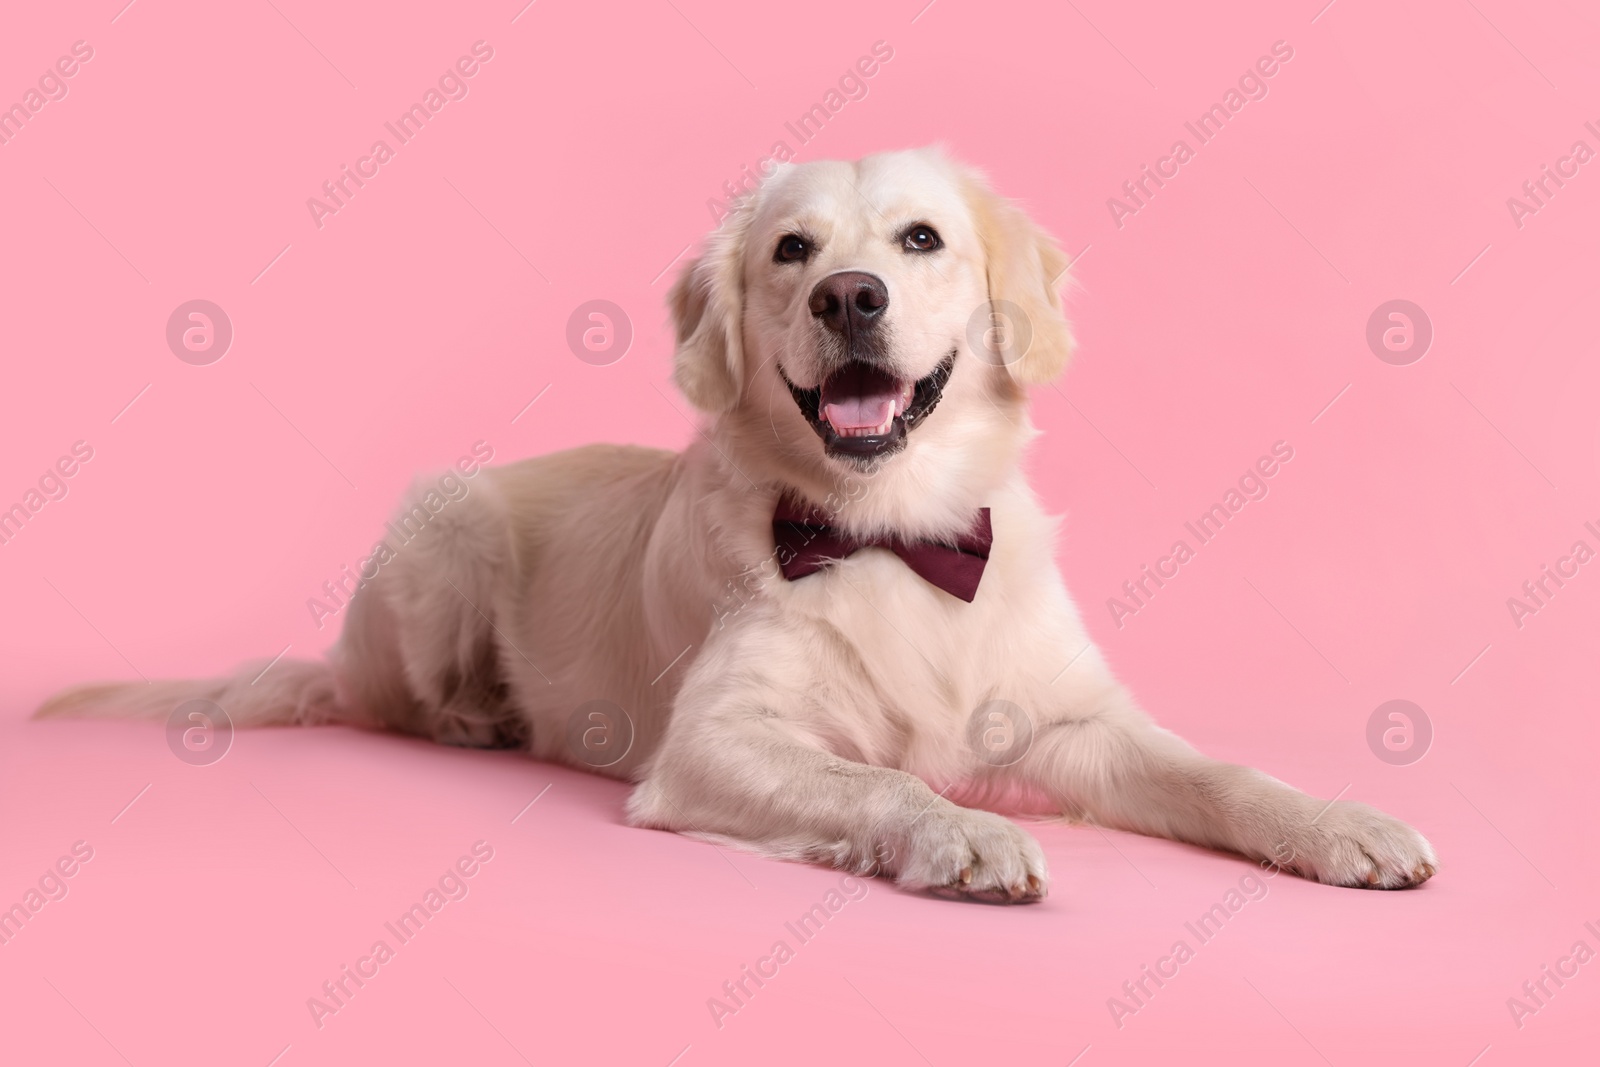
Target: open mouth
{"type": "Point", "coordinates": [863, 412]}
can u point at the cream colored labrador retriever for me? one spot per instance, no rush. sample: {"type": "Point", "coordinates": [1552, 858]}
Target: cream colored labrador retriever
{"type": "Point", "coordinates": [837, 605]}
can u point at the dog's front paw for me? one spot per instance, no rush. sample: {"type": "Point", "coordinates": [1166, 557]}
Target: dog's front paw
{"type": "Point", "coordinates": [975, 855]}
{"type": "Point", "coordinates": [1359, 846]}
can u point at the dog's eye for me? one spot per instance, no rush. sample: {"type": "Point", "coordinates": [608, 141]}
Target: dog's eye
{"type": "Point", "coordinates": [923, 239]}
{"type": "Point", "coordinates": [792, 249]}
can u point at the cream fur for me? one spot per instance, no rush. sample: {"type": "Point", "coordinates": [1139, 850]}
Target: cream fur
{"type": "Point", "coordinates": [822, 718]}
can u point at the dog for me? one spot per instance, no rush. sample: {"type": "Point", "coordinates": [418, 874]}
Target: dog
{"type": "Point", "coordinates": [839, 602]}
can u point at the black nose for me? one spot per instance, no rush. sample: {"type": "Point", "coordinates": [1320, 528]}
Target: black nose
{"type": "Point", "coordinates": [849, 301]}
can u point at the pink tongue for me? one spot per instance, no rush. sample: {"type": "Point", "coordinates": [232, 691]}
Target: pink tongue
{"type": "Point", "coordinates": [859, 398]}
{"type": "Point", "coordinates": [859, 412]}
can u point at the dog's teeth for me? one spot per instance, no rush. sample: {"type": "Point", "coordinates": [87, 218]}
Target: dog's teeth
{"type": "Point", "coordinates": [868, 431]}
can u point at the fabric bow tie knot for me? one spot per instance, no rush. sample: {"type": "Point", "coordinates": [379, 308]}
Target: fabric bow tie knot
{"type": "Point", "coordinates": [806, 543]}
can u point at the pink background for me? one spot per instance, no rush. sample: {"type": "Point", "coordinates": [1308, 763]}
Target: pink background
{"type": "Point", "coordinates": [1222, 317]}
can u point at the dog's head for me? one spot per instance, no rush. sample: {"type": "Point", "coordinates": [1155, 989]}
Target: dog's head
{"type": "Point", "coordinates": [881, 316]}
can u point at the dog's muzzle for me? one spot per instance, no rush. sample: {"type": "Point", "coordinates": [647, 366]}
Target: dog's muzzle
{"type": "Point", "coordinates": [863, 412]}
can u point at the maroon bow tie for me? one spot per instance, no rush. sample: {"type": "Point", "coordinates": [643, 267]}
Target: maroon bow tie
{"type": "Point", "coordinates": [806, 543]}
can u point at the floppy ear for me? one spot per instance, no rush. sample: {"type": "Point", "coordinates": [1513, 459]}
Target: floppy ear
{"type": "Point", "coordinates": [1025, 268]}
{"type": "Point", "coordinates": [707, 304]}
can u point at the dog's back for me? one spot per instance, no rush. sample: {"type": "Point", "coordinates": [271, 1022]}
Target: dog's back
{"type": "Point", "coordinates": [468, 632]}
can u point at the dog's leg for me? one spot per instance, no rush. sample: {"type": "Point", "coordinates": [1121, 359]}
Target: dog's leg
{"type": "Point", "coordinates": [1107, 762]}
{"type": "Point", "coordinates": [743, 760]}
{"type": "Point", "coordinates": [421, 646]}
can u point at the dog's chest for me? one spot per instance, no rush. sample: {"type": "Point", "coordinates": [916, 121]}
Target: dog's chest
{"type": "Point", "coordinates": [888, 643]}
